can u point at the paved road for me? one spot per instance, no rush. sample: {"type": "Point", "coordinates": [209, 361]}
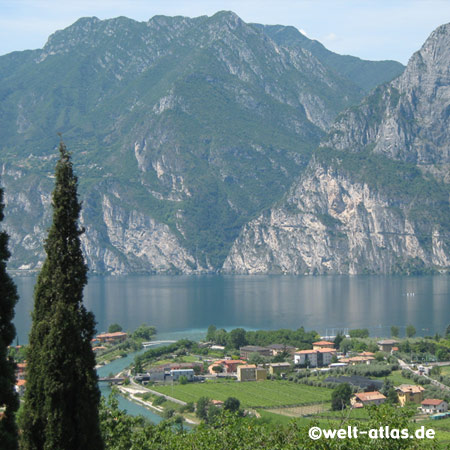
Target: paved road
{"type": "Point", "coordinates": [406, 366]}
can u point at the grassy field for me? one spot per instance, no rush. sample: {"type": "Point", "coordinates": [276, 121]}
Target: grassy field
{"type": "Point", "coordinates": [250, 394]}
{"type": "Point", "coordinates": [396, 378]}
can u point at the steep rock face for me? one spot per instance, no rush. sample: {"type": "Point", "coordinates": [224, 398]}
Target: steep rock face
{"type": "Point", "coordinates": [375, 197]}
{"type": "Point", "coordinates": [331, 224]}
{"type": "Point", "coordinates": [203, 123]}
{"type": "Point", "coordinates": [137, 243]}
{"type": "Point", "coordinates": [409, 118]}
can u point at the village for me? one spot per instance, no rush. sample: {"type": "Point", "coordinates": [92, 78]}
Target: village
{"type": "Point", "coordinates": [278, 381]}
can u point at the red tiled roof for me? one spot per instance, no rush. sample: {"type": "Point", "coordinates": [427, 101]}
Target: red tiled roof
{"type": "Point", "coordinates": [21, 383]}
{"type": "Point", "coordinates": [323, 343]}
{"type": "Point", "coordinates": [112, 335]}
{"type": "Point", "coordinates": [367, 396]}
{"type": "Point", "coordinates": [432, 401]}
{"type": "Point", "coordinates": [412, 388]}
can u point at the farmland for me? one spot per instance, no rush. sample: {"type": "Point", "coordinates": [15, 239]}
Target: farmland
{"type": "Point", "coordinates": [256, 394]}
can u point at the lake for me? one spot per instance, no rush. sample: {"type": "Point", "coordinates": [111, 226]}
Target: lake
{"type": "Point", "coordinates": [184, 306]}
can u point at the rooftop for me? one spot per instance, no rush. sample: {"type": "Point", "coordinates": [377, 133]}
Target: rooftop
{"type": "Point", "coordinates": [252, 348]}
{"type": "Point", "coordinates": [368, 396]}
{"type": "Point", "coordinates": [432, 401]}
{"type": "Point", "coordinates": [112, 335]}
{"type": "Point", "coordinates": [247, 366]}
{"type": "Point", "coordinates": [413, 389]}
{"type": "Point", "coordinates": [323, 343]}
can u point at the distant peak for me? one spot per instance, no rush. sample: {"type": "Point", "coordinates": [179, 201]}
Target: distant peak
{"type": "Point", "coordinates": [227, 16]}
{"type": "Point", "coordinates": [87, 20]}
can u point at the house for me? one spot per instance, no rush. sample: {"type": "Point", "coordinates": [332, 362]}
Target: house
{"type": "Point", "coordinates": [314, 358]}
{"type": "Point", "coordinates": [357, 360]}
{"type": "Point", "coordinates": [157, 374]}
{"type": "Point", "coordinates": [260, 374]}
{"type": "Point", "coordinates": [277, 368]}
{"type": "Point", "coordinates": [246, 372]}
{"type": "Point", "coordinates": [20, 387]}
{"type": "Point", "coordinates": [387, 345]}
{"type": "Point", "coordinates": [99, 348]}
{"type": "Point", "coordinates": [112, 338]}
{"type": "Point", "coordinates": [248, 350]}
{"type": "Point", "coordinates": [177, 373]}
{"type": "Point", "coordinates": [434, 405]}
{"type": "Point", "coordinates": [228, 365]}
{"type": "Point", "coordinates": [368, 398]}
{"type": "Point", "coordinates": [21, 369]}
{"type": "Point", "coordinates": [217, 403]}
{"type": "Point", "coordinates": [322, 344]}
{"type": "Point", "coordinates": [366, 354]}
{"type": "Point", "coordinates": [409, 393]}
{"type": "Point", "coordinates": [281, 348]}
{"type": "Point", "coordinates": [250, 372]}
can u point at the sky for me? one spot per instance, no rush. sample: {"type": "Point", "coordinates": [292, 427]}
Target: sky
{"type": "Point", "coordinates": [370, 29]}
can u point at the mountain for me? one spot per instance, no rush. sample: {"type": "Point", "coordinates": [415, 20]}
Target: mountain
{"type": "Point", "coordinates": [365, 74]}
{"type": "Point", "coordinates": [182, 131]}
{"type": "Point", "coordinates": [375, 195]}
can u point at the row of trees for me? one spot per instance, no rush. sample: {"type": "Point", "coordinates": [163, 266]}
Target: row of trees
{"type": "Point", "coordinates": [239, 337]}
{"type": "Point", "coordinates": [61, 407]}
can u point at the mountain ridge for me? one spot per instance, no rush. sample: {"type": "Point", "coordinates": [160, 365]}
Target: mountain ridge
{"type": "Point", "coordinates": [183, 132]}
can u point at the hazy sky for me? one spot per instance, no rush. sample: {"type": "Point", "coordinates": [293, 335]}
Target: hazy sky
{"type": "Point", "coordinates": [370, 29]}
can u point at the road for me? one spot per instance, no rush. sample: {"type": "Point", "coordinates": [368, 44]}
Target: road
{"type": "Point", "coordinates": [404, 365]}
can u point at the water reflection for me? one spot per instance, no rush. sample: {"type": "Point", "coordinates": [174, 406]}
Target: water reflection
{"type": "Point", "coordinates": [186, 303]}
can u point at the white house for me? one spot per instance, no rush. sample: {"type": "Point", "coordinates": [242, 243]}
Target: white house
{"type": "Point", "coordinates": [314, 358]}
{"type": "Point", "coordinates": [434, 405]}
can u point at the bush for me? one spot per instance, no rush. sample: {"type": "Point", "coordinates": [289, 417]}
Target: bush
{"type": "Point", "coordinates": [168, 413]}
{"type": "Point", "coordinates": [159, 401]}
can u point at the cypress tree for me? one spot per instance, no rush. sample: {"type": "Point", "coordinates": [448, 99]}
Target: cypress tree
{"type": "Point", "coordinates": [8, 395]}
{"type": "Point", "coordinates": [62, 395]}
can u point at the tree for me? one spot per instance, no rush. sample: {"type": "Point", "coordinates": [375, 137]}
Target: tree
{"type": "Point", "coordinates": [394, 331]}
{"type": "Point", "coordinates": [340, 397]}
{"type": "Point", "coordinates": [338, 339]}
{"type": "Point", "coordinates": [201, 411]}
{"type": "Point", "coordinates": [447, 332]}
{"type": "Point", "coordinates": [232, 404]}
{"type": "Point", "coordinates": [62, 395]}
{"type": "Point", "coordinates": [210, 333]}
{"type": "Point", "coordinates": [237, 338]}
{"type": "Point", "coordinates": [220, 337]}
{"type": "Point", "coordinates": [114, 328]}
{"type": "Point", "coordinates": [217, 369]}
{"type": "Point", "coordinates": [8, 299]}
{"type": "Point", "coordinates": [359, 333]}
{"type": "Point", "coordinates": [144, 332]}
{"type": "Point", "coordinates": [410, 331]}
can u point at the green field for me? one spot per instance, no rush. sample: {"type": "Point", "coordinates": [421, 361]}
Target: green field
{"type": "Point", "coordinates": [250, 394]}
{"type": "Point", "coordinates": [396, 378]}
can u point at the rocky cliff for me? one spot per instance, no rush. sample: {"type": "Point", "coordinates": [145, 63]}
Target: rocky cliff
{"type": "Point", "coordinates": [375, 197]}
{"type": "Point", "coordinates": [332, 223]}
{"type": "Point", "coordinates": [181, 131]}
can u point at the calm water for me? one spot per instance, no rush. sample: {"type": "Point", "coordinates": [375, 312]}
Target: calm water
{"type": "Point", "coordinates": [186, 305]}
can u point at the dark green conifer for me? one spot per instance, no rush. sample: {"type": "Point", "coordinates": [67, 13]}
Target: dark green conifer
{"type": "Point", "coordinates": [8, 299]}
{"type": "Point", "coordinates": [62, 395]}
